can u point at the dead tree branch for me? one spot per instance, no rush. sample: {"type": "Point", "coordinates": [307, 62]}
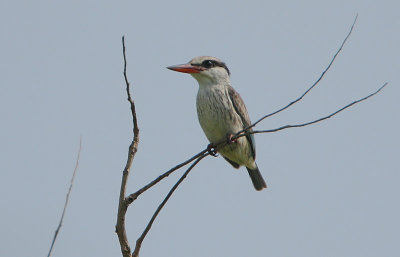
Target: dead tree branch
{"type": "Point", "coordinates": [134, 196]}
{"type": "Point", "coordinates": [123, 204]}
{"type": "Point", "coordinates": [311, 122]}
{"type": "Point", "coordinates": [66, 198]}
{"type": "Point", "coordinates": [139, 241]}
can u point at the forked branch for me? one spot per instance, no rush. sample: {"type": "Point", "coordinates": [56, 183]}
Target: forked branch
{"type": "Point", "coordinates": [148, 227]}
{"type": "Point", "coordinates": [311, 122]}
{"type": "Point", "coordinates": [313, 85]}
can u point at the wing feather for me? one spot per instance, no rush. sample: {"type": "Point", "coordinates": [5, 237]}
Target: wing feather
{"type": "Point", "coordinates": [241, 110]}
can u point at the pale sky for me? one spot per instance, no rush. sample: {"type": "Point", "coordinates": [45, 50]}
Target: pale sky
{"type": "Point", "coordinates": [332, 187]}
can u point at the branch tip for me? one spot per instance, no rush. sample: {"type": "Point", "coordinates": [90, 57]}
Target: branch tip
{"type": "Point", "coordinates": [313, 85]}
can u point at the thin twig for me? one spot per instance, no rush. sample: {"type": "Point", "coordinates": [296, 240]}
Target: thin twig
{"type": "Point", "coordinates": [67, 197]}
{"type": "Point", "coordinates": [135, 195]}
{"type": "Point", "coordinates": [123, 206]}
{"type": "Point", "coordinates": [148, 227]}
{"type": "Point", "coordinates": [314, 121]}
{"type": "Point", "coordinates": [313, 85]}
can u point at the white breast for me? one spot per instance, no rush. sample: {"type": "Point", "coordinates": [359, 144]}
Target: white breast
{"type": "Point", "coordinates": [216, 114]}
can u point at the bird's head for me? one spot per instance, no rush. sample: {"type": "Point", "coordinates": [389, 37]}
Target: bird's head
{"type": "Point", "coordinates": [206, 70]}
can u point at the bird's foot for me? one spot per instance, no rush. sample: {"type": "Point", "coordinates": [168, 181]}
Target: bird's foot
{"type": "Point", "coordinates": [230, 140]}
{"type": "Point", "coordinates": [211, 150]}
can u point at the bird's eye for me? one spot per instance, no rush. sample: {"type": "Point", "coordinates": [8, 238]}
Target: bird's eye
{"type": "Point", "coordinates": [207, 64]}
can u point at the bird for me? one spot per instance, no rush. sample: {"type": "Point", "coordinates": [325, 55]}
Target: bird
{"type": "Point", "coordinates": [222, 113]}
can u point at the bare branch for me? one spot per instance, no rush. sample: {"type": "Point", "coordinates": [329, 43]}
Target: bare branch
{"type": "Point", "coordinates": [313, 85]}
{"type": "Point", "coordinates": [123, 206]}
{"type": "Point", "coordinates": [67, 197]}
{"type": "Point", "coordinates": [125, 202]}
{"type": "Point", "coordinates": [314, 121]}
{"type": "Point", "coordinates": [146, 230]}
{"type": "Point", "coordinates": [134, 196]}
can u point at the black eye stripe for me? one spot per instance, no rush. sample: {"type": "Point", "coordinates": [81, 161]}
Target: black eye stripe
{"type": "Point", "coordinates": [213, 63]}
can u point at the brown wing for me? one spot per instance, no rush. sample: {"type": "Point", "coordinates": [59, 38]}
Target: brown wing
{"type": "Point", "coordinates": [241, 110]}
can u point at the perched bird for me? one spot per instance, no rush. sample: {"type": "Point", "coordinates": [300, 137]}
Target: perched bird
{"type": "Point", "coordinates": [222, 113]}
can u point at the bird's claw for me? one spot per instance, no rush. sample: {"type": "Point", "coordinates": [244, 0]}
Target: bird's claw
{"type": "Point", "coordinates": [211, 150]}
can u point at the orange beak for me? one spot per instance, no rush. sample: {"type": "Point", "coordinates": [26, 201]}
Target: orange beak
{"type": "Point", "coordinates": [186, 68]}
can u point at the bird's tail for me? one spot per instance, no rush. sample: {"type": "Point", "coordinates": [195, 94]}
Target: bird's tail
{"type": "Point", "coordinates": [257, 179]}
